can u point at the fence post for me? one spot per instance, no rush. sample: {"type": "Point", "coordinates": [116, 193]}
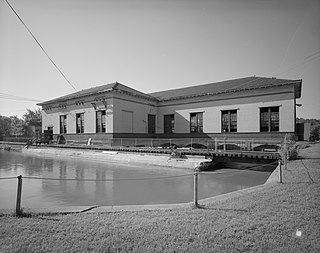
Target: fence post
{"type": "Point", "coordinates": [215, 144]}
{"type": "Point", "coordinates": [280, 171]}
{"type": "Point", "coordinates": [18, 205]}
{"type": "Point", "coordinates": [285, 152]}
{"type": "Point", "coordinates": [195, 189]}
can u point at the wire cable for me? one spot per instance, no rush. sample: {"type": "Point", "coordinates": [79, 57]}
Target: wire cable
{"type": "Point", "coordinates": [8, 178]}
{"type": "Point", "coordinates": [108, 179]}
{"type": "Point", "coordinates": [306, 60]}
{"type": "Point", "coordinates": [43, 50]}
{"type": "Point", "coordinates": [293, 37]}
{"type": "Point", "coordinates": [17, 98]}
{"type": "Point", "coordinates": [307, 170]}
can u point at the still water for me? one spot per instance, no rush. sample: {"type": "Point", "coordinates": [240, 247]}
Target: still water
{"type": "Point", "coordinates": [143, 184]}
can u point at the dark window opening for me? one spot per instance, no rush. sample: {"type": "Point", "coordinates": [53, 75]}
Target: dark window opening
{"type": "Point", "coordinates": [169, 123]}
{"type": "Point", "coordinates": [101, 121]}
{"type": "Point", "coordinates": [269, 119]}
{"type": "Point", "coordinates": [63, 124]}
{"type": "Point", "coordinates": [80, 123]}
{"type": "Point", "coordinates": [196, 122]}
{"type": "Point", "coordinates": [151, 124]}
{"type": "Point", "coordinates": [229, 121]}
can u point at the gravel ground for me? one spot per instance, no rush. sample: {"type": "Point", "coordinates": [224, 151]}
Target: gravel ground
{"type": "Point", "coordinates": [273, 218]}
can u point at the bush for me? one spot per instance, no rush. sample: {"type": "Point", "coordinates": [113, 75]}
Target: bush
{"type": "Point", "coordinates": [315, 133]}
{"type": "Point", "coordinates": [289, 148]}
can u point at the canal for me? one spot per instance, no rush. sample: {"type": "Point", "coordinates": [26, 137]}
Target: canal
{"type": "Point", "coordinates": [111, 184]}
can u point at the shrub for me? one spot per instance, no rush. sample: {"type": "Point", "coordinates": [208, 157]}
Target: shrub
{"type": "Point", "coordinates": [289, 148]}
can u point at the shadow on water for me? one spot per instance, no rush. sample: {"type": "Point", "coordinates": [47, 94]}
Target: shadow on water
{"type": "Point", "coordinates": [219, 163]}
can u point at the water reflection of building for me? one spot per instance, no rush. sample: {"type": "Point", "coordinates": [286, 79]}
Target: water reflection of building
{"type": "Point", "coordinates": [251, 107]}
{"type": "Point", "coordinates": [96, 191]}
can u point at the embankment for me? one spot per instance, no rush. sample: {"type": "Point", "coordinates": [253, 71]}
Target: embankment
{"type": "Point", "coordinates": [188, 162]}
{"type": "Point", "coordinates": [156, 159]}
{"type": "Point", "coordinates": [12, 146]}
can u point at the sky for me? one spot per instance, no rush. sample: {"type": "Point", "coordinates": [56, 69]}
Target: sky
{"type": "Point", "coordinates": [154, 45]}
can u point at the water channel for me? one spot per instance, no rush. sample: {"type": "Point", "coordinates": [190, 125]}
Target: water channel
{"type": "Point", "coordinates": [143, 184]}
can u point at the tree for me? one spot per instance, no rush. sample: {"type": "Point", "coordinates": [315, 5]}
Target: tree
{"type": "Point", "coordinates": [32, 118]}
{"type": "Point", "coordinates": [315, 133]}
{"type": "Point", "coordinates": [16, 126]}
{"type": "Point", "coordinates": [5, 125]}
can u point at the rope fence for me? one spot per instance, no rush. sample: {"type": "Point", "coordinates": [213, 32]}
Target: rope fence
{"type": "Point", "coordinates": [195, 174]}
{"type": "Point", "coordinates": [108, 179]}
{"type": "Point", "coordinates": [8, 178]}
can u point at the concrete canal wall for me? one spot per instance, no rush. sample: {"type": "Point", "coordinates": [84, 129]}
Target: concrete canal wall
{"type": "Point", "coordinates": [147, 158]}
{"type": "Point", "coordinates": [189, 162]}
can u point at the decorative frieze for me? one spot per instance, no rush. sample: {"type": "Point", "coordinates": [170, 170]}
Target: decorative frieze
{"type": "Point", "coordinates": [62, 106]}
{"type": "Point", "coordinates": [47, 108]}
{"type": "Point", "coordinates": [79, 102]}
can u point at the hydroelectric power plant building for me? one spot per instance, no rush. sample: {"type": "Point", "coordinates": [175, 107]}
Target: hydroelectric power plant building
{"type": "Point", "coordinates": [245, 108]}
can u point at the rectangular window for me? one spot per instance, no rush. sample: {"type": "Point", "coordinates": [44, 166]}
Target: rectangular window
{"type": "Point", "coordinates": [229, 121]}
{"type": "Point", "coordinates": [151, 124]}
{"type": "Point", "coordinates": [169, 123]}
{"type": "Point", "coordinates": [80, 123]}
{"type": "Point", "coordinates": [196, 122]}
{"type": "Point", "coordinates": [101, 121]}
{"type": "Point", "coordinates": [63, 124]}
{"type": "Point", "coordinates": [269, 119]}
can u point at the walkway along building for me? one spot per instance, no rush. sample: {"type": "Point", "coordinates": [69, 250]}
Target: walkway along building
{"type": "Point", "coordinates": [246, 108]}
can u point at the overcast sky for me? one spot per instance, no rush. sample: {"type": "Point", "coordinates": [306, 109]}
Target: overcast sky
{"type": "Point", "coordinates": [153, 45]}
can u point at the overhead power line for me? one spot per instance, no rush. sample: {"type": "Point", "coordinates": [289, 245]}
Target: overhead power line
{"type": "Point", "coordinates": [18, 98]}
{"type": "Point", "coordinates": [306, 60]}
{"type": "Point", "coordinates": [43, 50]}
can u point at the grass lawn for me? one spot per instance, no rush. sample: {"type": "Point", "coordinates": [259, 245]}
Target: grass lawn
{"type": "Point", "coordinates": [275, 218]}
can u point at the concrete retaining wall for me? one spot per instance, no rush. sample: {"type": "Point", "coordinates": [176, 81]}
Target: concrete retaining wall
{"type": "Point", "coordinates": [189, 162]}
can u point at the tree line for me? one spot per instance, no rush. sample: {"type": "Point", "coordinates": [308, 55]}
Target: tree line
{"type": "Point", "coordinates": [13, 126]}
{"type": "Point", "coordinates": [315, 127]}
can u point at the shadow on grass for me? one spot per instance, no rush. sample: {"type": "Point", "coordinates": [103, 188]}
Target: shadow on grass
{"type": "Point", "coordinates": [43, 215]}
{"type": "Point", "coordinates": [307, 158]}
{"type": "Point", "coordinates": [203, 207]}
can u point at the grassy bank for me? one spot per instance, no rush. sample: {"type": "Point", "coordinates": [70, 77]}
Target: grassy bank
{"type": "Point", "coordinates": [265, 220]}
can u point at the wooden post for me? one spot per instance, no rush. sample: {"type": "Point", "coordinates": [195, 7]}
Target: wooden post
{"type": "Point", "coordinates": [215, 144]}
{"type": "Point", "coordinates": [18, 205]}
{"type": "Point", "coordinates": [285, 152]}
{"type": "Point", "coordinates": [195, 189]}
{"type": "Point", "coordinates": [280, 171]}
